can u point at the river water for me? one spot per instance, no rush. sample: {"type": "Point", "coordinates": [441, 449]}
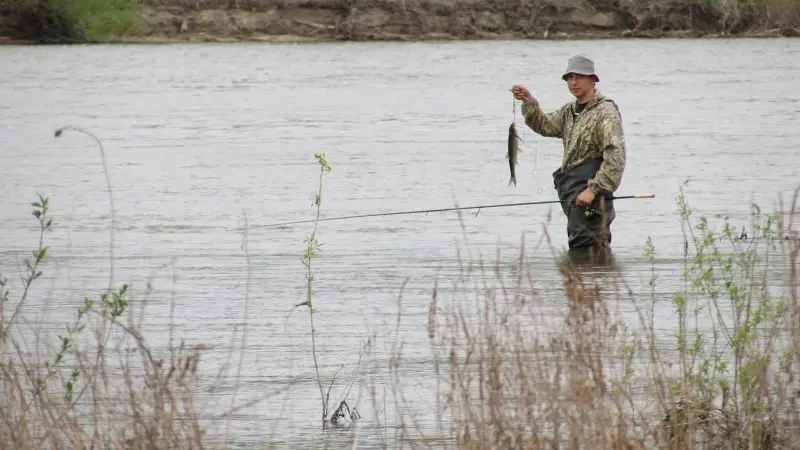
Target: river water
{"type": "Point", "coordinates": [197, 137]}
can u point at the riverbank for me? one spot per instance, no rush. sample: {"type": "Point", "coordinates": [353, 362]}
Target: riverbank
{"type": "Point", "coordinates": [168, 21]}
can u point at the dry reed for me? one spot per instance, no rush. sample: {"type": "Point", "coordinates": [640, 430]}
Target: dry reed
{"type": "Point", "coordinates": [516, 369]}
{"type": "Point", "coordinates": [102, 385]}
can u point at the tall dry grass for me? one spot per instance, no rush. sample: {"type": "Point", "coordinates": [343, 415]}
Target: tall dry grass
{"type": "Point", "coordinates": [100, 385]}
{"type": "Point", "coordinates": [98, 382]}
{"type": "Point", "coordinates": [518, 369]}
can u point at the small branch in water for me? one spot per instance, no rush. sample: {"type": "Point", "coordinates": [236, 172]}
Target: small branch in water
{"type": "Point", "coordinates": [58, 133]}
{"type": "Point", "coordinates": [107, 333]}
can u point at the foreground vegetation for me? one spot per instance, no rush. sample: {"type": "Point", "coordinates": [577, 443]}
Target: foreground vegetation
{"type": "Point", "coordinates": [724, 378]}
{"type": "Point", "coordinates": [115, 20]}
{"type": "Point", "coordinates": [508, 373]}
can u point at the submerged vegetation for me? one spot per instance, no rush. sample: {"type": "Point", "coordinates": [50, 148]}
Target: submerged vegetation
{"type": "Point", "coordinates": [712, 365]}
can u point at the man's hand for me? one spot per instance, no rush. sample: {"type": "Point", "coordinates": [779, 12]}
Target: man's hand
{"type": "Point", "coordinates": [585, 198]}
{"type": "Point", "coordinates": [522, 93]}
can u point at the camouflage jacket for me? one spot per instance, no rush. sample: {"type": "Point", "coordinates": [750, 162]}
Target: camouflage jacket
{"type": "Point", "coordinates": [595, 132]}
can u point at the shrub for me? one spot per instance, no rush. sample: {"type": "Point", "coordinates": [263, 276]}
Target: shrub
{"type": "Point", "coordinates": [74, 20]}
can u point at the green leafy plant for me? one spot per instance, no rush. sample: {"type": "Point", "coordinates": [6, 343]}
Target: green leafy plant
{"type": "Point", "coordinates": [736, 339]}
{"type": "Point", "coordinates": [32, 268]}
{"type": "Point", "coordinates": [313, 246]}
{"type": "Point", "coordinates": [112, 305]}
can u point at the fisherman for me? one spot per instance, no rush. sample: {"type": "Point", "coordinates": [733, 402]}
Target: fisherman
{"type": "Point", "coordinates": [594, 152]}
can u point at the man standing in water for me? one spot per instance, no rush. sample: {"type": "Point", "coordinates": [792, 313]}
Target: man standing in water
{"type": "Point", "coordinates": [594, 152]}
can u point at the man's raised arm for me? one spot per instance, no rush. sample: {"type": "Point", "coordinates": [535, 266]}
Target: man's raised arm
{"type": "Point", "coordinates": [546, 124]}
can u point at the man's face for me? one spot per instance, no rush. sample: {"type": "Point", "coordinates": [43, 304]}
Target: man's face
{"type": "Point", "coordinates": [580, 85]}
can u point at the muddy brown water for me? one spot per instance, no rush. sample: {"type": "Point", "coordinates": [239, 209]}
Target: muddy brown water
{"type": "Point", "coordinates": [197, 136]}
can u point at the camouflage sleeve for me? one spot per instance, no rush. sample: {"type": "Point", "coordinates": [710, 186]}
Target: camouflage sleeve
{"type": "Point", "coordinates": [548, 125]}
{"type": "Point", "coordinates": [612, 142]}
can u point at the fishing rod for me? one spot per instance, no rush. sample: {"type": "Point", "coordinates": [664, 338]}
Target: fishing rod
{"type": "Point", "coordinates": [462, 208]}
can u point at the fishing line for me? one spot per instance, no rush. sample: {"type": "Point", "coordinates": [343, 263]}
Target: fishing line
{"type": "Point", "coordinates": [536, 151]}
{"type": "Point", "coordinates": [514, 110]}
{"type": "Point", "coordinates": [535, 165]}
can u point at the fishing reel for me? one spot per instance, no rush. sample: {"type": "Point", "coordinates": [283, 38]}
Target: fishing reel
{"type": "Point", "coordinates": [590, 212]}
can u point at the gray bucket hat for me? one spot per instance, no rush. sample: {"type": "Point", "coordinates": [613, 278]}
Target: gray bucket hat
{"type": "Point", "coordinates": [581, 65]}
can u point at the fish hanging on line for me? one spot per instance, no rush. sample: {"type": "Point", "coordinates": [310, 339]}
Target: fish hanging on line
{"type": "Point", "coordinates": [513, 151]}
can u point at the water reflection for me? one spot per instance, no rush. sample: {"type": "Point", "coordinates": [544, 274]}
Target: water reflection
{"type": "Point", "coordinates": [590, 259]}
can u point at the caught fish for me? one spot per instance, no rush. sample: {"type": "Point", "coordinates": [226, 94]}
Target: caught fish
{"type": "Point", "coordinates": [513, 150]}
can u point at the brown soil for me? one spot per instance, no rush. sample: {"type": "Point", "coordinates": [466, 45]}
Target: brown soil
{"type": "Point", "coordinates": [324, 20]}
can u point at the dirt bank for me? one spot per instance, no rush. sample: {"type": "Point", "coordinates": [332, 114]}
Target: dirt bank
{"type": "Point", "coordinates": [317, 20]}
